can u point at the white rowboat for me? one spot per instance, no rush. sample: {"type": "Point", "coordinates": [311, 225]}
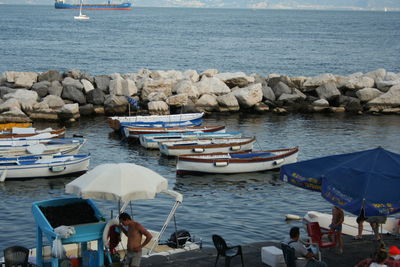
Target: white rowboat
{"type": "Point", "coordinates": [151, 141]}
{"type": "Point", "coordinates": [206, 145]}
{"type": "Point", "coordinates": [237, 162]}
{"type": "Point", "coordinates": [135, 132]}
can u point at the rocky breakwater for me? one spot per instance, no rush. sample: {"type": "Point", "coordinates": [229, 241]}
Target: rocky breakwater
{"type": "Point", "coordinates": [52, 95]}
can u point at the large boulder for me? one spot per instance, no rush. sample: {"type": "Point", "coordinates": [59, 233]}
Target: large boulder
{"type": "Point", "coordinates": [115, 104]}
{"type": "Point", "coordinates": [21, 79]}
{"type": "Point", "coordinates": [328, 91]}
{"type": "Point", "coordinates": [102, 82]}
{"type": "Point", "coordinates": [268, 93]}
{"type": "Point", "coordinates": [367, 94]}
{"type": "Point", "coordinates": [69, 82]}
{"type": "Point", "coordinates": [14, 115]}
{"type": "Point", "coordinates": [6, 90]}
{"type": "Point", "coordinates": [209, 73]}
{"type": "Point", "coordinates": [249, 96]}
{"type": "Point", "coordinates": [160, 85]}
{"type": "Point", "coordinates": [46, 114]}
{"type": "Point", "coordinates": [385, 85]}
{"type": "Point", "coordinates": [22, 95]}
{"type": "Point", "coordinates": [120, 86]}
{"type": "Point", "coordinates": [50, 76]}
{"type": "Point", "coordinates": [53, 101]}
{"type": "Point", "coordinates": [321, 103]}
{"type": "Point", "coordinates": [292, 97]}
{"type": "Point", "coordinates": [156, 96]}
{"type": "Point", "coordinates": [10, 104]}
{"type": "Point", "coordinates": [356, 83]}
{"type": "Point", "coordinates": [281, 88]}
{"type": "Point", "coordinates": [186, 86]}
{"type": "Point", "coordinates": [158, 108]}
{"type": "Point", "coordinates": [228, 102]}
{"type": "Point", "coordinates": [86, 110]}
{"type": "Point", "coordinates": [177, 100]}
{"type": "Point", "coordinates": [376, 75]}
{"type": "Point", "coordinates": [238, 79]}
{"type": "Point", "coordinates": [207, 103]}
{"type": "Point", "coordinates": [41, 88]}
{"type": "Point", "coordinates": [316, 81]}
{"type": "Point", "coordinates": [391, 99]}
{"type": "Point", "coordinates": [73, 94]}
{"type": "Point", "coordinates": [212, 85]}
{"type": "Point", "coordinates": [96, 97]}
{"type": "Point", "coordinates": [55, 88]}
{"type": "Point", "coordinates": [74, 74]}
{"type": "Point", "coordinates": [191, 75]}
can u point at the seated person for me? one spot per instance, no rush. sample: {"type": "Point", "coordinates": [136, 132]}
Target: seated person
{"type": "Point", "coordinates": [379, 258]}
{"type": "Point", "coordinates": [302, 251]}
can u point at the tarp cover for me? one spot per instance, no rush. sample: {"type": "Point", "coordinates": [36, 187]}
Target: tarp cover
{"type": "Point", "coordinates": [348, 180]}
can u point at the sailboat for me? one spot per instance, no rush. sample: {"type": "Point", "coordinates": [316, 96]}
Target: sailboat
{"type": "Point", "coordinates": [81, 16]}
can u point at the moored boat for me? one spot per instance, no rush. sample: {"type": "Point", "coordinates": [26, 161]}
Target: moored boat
{"type": "Point", "coordinates": [151, 141]}
{"type": "Point", "coordinates": [69, 146]}
{"type": "Point", "coordinates": [175, 120]}
{"type": "Point", "coordinates": [17, 132]}
{"type": "Point", "coordinates": [63, 4]}
{"type": "Point", "coordinates": [135, 132]}
{"type": "Point", "coordinates": [31, 140]}
{"type": "Point", "coordinates": [237, 162]}
{"type": "Point", "coordinates": [10, 125]}
{"type": "Point", "coordinates": [42, 166]}
{"type": "Point", "coordinates": [206, 145]}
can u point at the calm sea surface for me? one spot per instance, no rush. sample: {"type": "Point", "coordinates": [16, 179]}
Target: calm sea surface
{"type": "Point", "coordinates": [38, 38]}
{"type": "Point", "coordinates": [244, 207]}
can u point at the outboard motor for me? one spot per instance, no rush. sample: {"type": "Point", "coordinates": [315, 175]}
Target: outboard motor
{"type": "Point", "coordinates": [179, 238]}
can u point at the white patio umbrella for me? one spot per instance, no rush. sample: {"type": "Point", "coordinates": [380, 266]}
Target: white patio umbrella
{"type": "Point", "coordinates": [118, 181]}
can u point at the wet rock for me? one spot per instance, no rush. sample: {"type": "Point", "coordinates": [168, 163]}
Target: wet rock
{"type": "Point", "coordinates": [102, 82]}
{"type": "Point", "coordinates": [391, 99]}
{"type": "Point", "coordinates": [115, 104]}
{"type": "Point", "coordinates": [14, 115]}
{"type": "Point", "coordinates": [54, 102]}
{"type": "Point", "coordinates": [368, 94]}
{"type": "Point", "coordinates": [73, 94]}
{"type": "Point", "coordinates": [46, 114]}
{"type": "Point", "coordinates": [268, 93]}
{"type": "Point", "coordinates": [69, 112]}
{"type": "Point", "coordinates": [327, 91]}
{"type": "Point", "coordinates": [86, 110]}
{"type": "Point", "coordinates": [321, 103]}
{"type": "Point", "coordinates": [228, 102]}
{"type": "Point", "coordinates": [281, 88]}
{"type": "Point", "coordinates": [207, 103]}
{"type": "Point", "coordinates": [41, 88]}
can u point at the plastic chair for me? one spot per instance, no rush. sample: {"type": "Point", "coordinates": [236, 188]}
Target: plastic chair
{"type": "Point", "coordinates": [16, 256]}
{"type": "Point", "coordinates": [289, 255]}
{"type": "Point", "coordinates": [317, 236]}
{"type": "Point", "coordinates": [225, 251]}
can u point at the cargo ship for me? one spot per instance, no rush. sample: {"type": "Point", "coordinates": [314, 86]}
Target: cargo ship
{"type": "Point", "coordinates": [62, 4]}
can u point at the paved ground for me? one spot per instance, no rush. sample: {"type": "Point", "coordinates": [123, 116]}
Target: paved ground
{"type": "Point", "coordinates": [354, 252]}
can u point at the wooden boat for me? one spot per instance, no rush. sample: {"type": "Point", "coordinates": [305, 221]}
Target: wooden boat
{"type": "Point", "coordinates": [10, 125]}
{"type": "Point", "coordinates": [237, 162]}
{"type": "Point", "coordinates": [151, 141]}
{"type": "Point", "coordinates": [206, 145]}
{"type": "Point", "coordinates": [17, 132]}
{"type": "Point", "coordinates": [350, 226]}
{"type": "Point", "coordinates": [30, 140]}
{"type": "Point", "coordinates": [69, 146]}
{"type": "Point", "coordinates": [175, 120]}
{"type": "Point", "coordinates": [134, 132]}
{"type": "Point", "coordinates": [42, 166]}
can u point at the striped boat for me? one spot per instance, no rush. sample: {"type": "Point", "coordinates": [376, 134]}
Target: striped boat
{"type": "Point", "coordinates": [236, 162]}
{"type": "Point", "coordinates": [135, 132]}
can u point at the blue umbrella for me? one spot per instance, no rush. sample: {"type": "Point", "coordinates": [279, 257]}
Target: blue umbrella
{"type": "Point", "coordinates": [369, 179]}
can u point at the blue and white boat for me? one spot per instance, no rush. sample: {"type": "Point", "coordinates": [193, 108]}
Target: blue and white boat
{"type": "Point", "coordinates": [175, 120]}
{"type": "Point", "coordinates": [42, 166]}
{"type": "Point", "coordinates": [151, 141]}
{"type": "Point", "coordinates": [64, 4]}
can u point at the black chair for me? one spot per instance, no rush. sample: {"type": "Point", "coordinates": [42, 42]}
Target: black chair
{"type": "Point", "coordinates": [289, 254]}
{"type": "Point", "coordinates": [225, 251]}
{"type": "Point", "coordinates": [16, 256]}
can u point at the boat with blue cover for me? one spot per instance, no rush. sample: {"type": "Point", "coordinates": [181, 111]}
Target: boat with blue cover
{"type": "Point", "coordinates": [237, 162]}
{"type": "Point", "coordinates": [62, 4]}
{"type": "Point", "coordinates": [42, 166]}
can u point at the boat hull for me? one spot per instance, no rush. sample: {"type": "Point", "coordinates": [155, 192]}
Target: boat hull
{"type": "Point", "coordinates": [15, 170]}
{"type": "Point", "coordinates": [212, 145]}
{"type": "Point", "coordinates": [135, 132]}
{"type": "Point", "coordinates": [122, 6]}
{"type": "Point", "coordinates": [235, 162]}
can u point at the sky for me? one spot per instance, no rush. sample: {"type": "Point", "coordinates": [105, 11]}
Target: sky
{"type": "Point", "coordinates": [269, 4]}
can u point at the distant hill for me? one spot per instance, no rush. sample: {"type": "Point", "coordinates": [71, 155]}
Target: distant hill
{"type": "Point", "coordinates": [270, 4]}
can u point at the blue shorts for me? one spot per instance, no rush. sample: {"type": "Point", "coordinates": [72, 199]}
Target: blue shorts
{"type": "Point", "coordinates": [335, 227]}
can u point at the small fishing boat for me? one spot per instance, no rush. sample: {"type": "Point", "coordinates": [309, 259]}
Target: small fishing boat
{"type": "Point", "coordinates": [69, 146]}
{"type": "Point", "coordinates": [151, 141]}
{"type": "Point", "coordinates": [63, 4]}
{"type": "Point", "coordinates": [30, 140]}
{"type": "Point", "coordinates": [81, 16]}
{"type": "Point", "coordinates": [206, 145]}
{"type": "Point", "coordinates": [135, 132]}
{"type": "Point", "coordinates": [10, 125]}
{"type": "Point", "coordinates": [17, 132]}
{"type": "Point", "coordinates": [237, 162]}
{"type": "Point", "coordinates": [350, 226]}
{"type": "Point", "coordinates": [42, 166]}
{"type": "Point", "coordinates": [175, 120]}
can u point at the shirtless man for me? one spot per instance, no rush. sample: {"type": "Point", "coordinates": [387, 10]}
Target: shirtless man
{"type": "Point", "coordinates": [134, 245]}
{"type": "Point", "coordinates": [336, 225]}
